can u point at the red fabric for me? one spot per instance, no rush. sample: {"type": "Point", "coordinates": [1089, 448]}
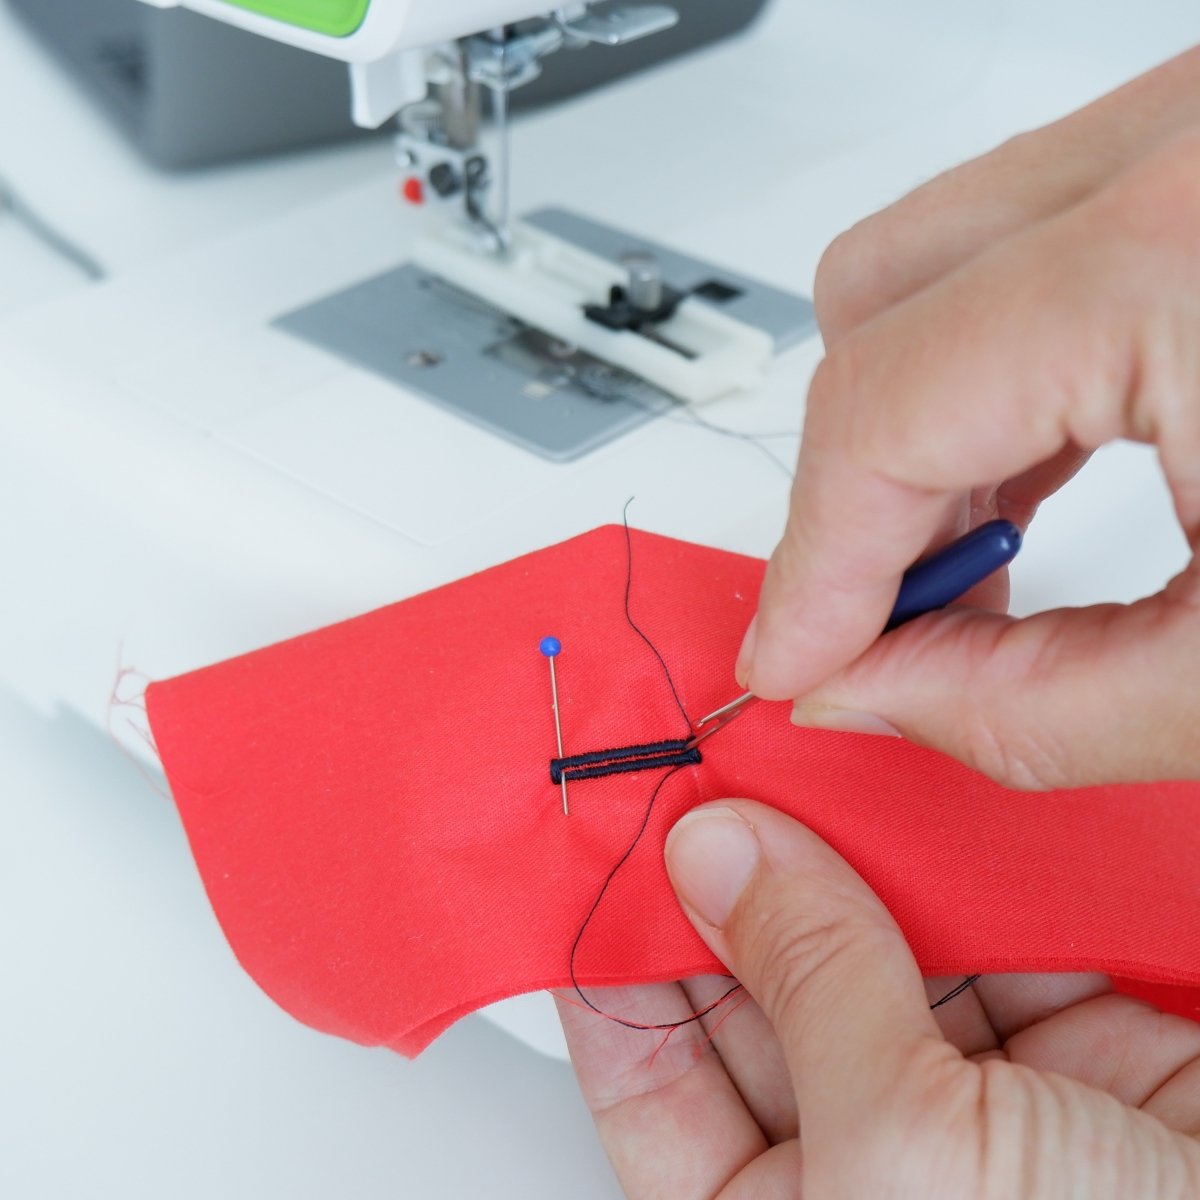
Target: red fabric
{"type": "Point", "coordinates": [1182, 1000]}
{"type": "Point", "coordinates": [371, 810]}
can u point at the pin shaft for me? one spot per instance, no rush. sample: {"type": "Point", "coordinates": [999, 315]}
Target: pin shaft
{"type": "Point", "coordinates": [557, 728]}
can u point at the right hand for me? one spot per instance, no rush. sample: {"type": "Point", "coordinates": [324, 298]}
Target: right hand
{"type": "Point", "coordinates": [983, 336]}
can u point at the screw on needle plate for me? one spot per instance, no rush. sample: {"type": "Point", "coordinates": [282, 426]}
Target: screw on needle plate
{"type": "Point", "coordinates": [423, 358]}
{"type": "Point", "coordinates": [551, 647]}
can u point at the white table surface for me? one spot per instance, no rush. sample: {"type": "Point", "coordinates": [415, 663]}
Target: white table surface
{"type": "Point", "coordinates": [136, 1059]}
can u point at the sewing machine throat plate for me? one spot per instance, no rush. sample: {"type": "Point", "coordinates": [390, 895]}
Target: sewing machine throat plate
{"type": "Point", "coordinates": [470, 357]}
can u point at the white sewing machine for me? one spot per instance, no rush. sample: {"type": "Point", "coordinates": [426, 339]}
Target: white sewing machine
{"type": "Point", "coordinates": [603, 328]}
{"type": "Point", "coordinates": [230, 444]}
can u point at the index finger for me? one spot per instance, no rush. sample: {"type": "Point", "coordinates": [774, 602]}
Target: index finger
{"type": "Point", "coordinates": [1037, 343]}
{"type": "Point", "coordinates": [947, 221]}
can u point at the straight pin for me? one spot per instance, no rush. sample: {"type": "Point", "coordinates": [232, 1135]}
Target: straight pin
{"type": "Point", "coordinates": [550, 647]}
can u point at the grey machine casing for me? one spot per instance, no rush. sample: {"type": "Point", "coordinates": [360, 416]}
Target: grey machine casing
{"type": "Point", "coordinates": [190, 90]}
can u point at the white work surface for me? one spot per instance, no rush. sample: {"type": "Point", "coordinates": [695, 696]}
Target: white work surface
{"type": "Point", "coordinates": [139, 1061]}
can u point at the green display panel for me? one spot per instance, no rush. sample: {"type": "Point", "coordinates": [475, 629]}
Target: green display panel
{"type": "Point", "coordinates": [335, 18]}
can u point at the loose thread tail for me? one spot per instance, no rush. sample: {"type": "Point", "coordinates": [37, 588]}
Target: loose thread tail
{"type": "Point", "coordinates": [970, 981]}
{"type": "Point", "coordinates": [639, 761]}
{"type": "Point", "coordinates": [644, 757]}
{"type": "Point", "coordinates": [662, 662]}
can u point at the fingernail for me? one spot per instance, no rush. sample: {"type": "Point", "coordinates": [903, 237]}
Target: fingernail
{"type": "Point", "coordinates": [845, 720]}
{"type": "Point", "coordinates": [711, 854]}
{"type": "Point", "coordinates": [745, 658]}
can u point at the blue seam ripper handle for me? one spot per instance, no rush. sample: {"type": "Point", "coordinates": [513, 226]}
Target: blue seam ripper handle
{"type": "Point", "coordinates": [954, 570]}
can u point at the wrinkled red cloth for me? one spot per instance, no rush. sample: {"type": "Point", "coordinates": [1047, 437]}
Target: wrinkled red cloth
{"type": "Point", "coordinates": [371, 809]}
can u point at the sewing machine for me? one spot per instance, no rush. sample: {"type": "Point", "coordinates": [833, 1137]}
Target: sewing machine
{"type": "Point", "coordinates": [557, 331]}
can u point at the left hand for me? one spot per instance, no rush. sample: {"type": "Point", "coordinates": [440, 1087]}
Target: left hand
{"type": "Point", "coordinates": [836, 1080]}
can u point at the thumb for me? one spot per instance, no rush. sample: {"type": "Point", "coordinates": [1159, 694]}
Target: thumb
{"type": "Point", "coordinates": [823, 958]}
{"type": "Point", "coordinates": [1063, 699]}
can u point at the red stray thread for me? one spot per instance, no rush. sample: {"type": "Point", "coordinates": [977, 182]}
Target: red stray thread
{"type": "Point", "coordinates": [671, 1026]}
{"type": "Point", "coordinates": [659, 1049]}
{"type": "Point", "coordinates": [712, 1033]}
{"type": "Point", "coordinates": [138, 703]}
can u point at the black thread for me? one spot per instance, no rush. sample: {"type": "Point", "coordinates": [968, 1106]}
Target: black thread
{"type": "Point", "coordinates": [970, 981]}
{"type": "Point", "coordinates": [637, 837]}
{"type": "Point", "coordinates": [624, 766]}
{"type": "Point", "coordinates": [598, 763]}
{"type": "Point", "coordinates": [634, 625]}
{"type": "Point", "coordinates": [684, 758]}
{"type": "Point", "coordinates": [751, 439]}
{"type": "Point", "coordinates": [687, 415]}
{"type": "Point", "coordinates": [595, 756]}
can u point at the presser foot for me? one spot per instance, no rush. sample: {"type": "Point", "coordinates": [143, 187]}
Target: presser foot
{"type": "Point", "coordinates": [577, 334]}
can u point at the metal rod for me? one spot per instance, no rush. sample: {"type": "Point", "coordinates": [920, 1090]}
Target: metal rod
{"type": "Point", "coordinates": [558, 730]}
{"type": "Point", "coordinates": [501, 210]}
{"type": "Point", "coordinates": [720, 717]}
{"type": "Point", "coordinates": [725, 708]}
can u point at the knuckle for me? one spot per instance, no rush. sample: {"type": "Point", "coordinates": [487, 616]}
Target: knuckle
{"type": "Point", "coordinates": [843, 419]}
{"type": "Point", "coordinates": [1002, 736]}
{"type": "Point", "coordinates": [1025, 151]}
{"type": "Point", "coordinates": [821, 410]}
{"type": "Point", "coordinates": [1157, 201]}
{"type": "Point", "coordinates": [832, 385]}
{"type": "Point", "coordinates": [844, 286]}
{"type": "Point", "coordinates": [922, 1127]}
{"type": "Point", "coordinates": [1018, 760]}
{"type": "Point", "coordinates": [1013, 1100]}
{"type": "Point", "coordinates": [801, 961]}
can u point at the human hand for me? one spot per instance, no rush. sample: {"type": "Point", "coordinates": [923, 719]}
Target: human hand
{"type": "Point", "coordinates": [983, 336]}
{"type": "Point", "coordinates": [837, 1080]}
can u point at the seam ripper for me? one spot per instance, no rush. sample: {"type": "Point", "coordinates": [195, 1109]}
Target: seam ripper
{"type": "Point", "coordinates": [927, 585]}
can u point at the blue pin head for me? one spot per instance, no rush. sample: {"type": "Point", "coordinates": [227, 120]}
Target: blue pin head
{"type": "Point", "coordinates": [550, 646]}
